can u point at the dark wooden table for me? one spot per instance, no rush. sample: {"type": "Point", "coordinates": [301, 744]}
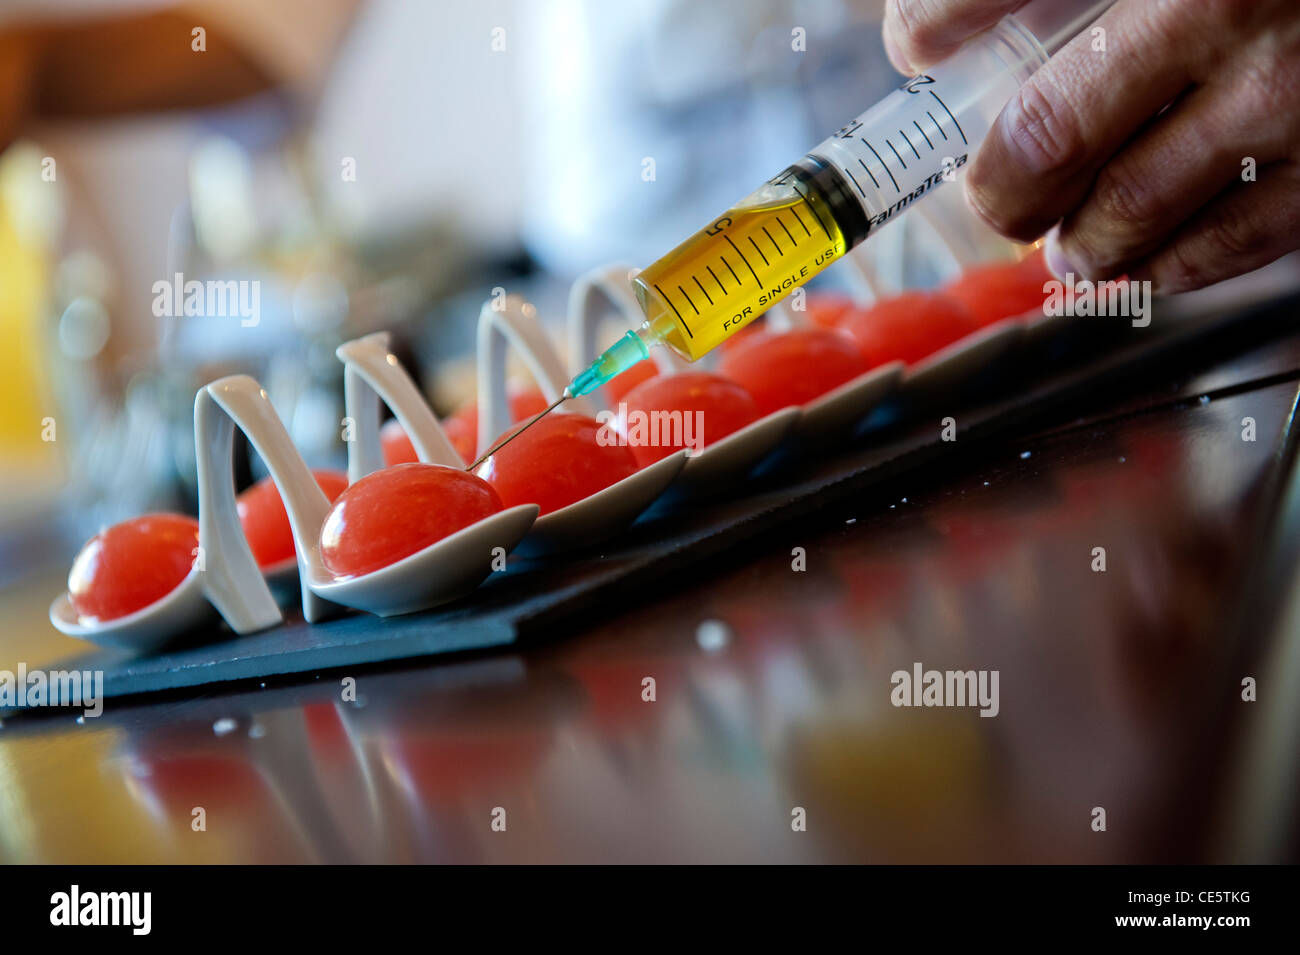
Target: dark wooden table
{"type": "Point", "coordinates": [1119, 689]}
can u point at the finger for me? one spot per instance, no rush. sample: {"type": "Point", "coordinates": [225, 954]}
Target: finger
{"type": "Point", "coordinates": [918, 33]}
{"type": "Point", "coordinates": [1158, 182]}
{"type": "Point", "coordinates": [1074, 113]}
{"type": "Point", "coordinates": [1247, 227]}
{"type": "Point", "coordinates": [1178, 163]}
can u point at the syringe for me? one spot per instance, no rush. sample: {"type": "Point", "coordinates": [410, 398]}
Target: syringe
{"type": "Point", "coordinates": [860, 179]}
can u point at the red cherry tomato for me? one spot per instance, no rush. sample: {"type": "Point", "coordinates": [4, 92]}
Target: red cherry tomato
{"type": "Point", "coordinates": [705, 407]}
{"type": "Point", "coordinates": [618, 386]}
{"type": "Point", "coordinates": [528, 402]}
{"type": "Point", "coordinates": [559, 460]}
{"type": "Point", "coordinates": [792, 368]}
{"type": "Point", "coordinates": [1003, 289]}
{"type": "Point", "coordinates": [266, 522]}
{"type": "Point", "coordinates": [131, 565]}
{"type": "Point", "coordinates": [462, 431]}
{"type": "Point", "coordinates": [398, 511]}
{"type": "Point", "coordinates": [908, 326]}
{"type": "Point", "coordinates": [397, 445]}
{"type": "Point", "coordinates": [827, 308]}
{"type": "Point", "coordinates": [461, 428]}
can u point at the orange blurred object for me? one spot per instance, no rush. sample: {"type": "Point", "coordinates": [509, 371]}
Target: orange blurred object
{"type": "Point", "coordinates": [132, 565]}
{"type": "Point", "coordinates": [792, 368]}
{"type": "Point", "coordinates": [266, 522]}
{"type": "Point", "coordinates": [618, 386]}
{"type": "Point", "coordinates": [910, 326]}
{"type": "Point", "coordinates": [828, 309]}
{"type": "Point", "coordinates": [1003, 289]}
{"type": "Point", "coordinates": [561, 459]}
{"type": "Point", "coordinates": [398, 511]}
{"type": "Point", "coordinates": [719, 405]}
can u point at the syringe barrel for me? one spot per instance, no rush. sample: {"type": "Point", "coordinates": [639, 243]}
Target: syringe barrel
{"type": "Point", "coordinates": [920, 135]}
{"type": "Point", "coordinates": [1054, 23]}
{"type": "Point", "coordinates": [860, 179]}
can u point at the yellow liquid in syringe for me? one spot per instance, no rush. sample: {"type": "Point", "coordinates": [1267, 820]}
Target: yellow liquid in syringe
{"type": "Point", "coordinates": [725, 276]}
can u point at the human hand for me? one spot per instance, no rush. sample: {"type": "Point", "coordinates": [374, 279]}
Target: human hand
{"type": "Point", "coordinates": [1171, 156]}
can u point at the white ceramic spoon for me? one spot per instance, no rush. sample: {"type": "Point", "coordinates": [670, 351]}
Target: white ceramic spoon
{"type": "Point", "coordinates": [720, 463]}
{"type": "Point", "coordinates": [365, 450]}
{"type": "Point", "coordinates": [839, 411]}
{"type": "Point", "coordinates": [186, 607]}
{"type": "Point", "coordinates": [224, 575]}
{"type": "Point", "coordinates": [598, 516]}
{"type": "Point", "coordinates": [372, 373]}
{"type": "Point", "coordinates": [441, 572]}
{"type": "Point", "coordinates": [504, 324]}
{"type": "Point", "coordinates": [370, 370]}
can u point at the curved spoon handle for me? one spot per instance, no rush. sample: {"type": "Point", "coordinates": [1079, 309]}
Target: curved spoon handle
{"type": "Point", "coordinates": [512, 323]}
{"type": "Point", "coordinates": [782, 318]}
{"type": "Point", "coordinates": [948, 253]}
{"type": "Point", "coordinates": [595, 295]}
{"type": "Point", "coordinates": [372, 373]}
{"type": "Point", "coordinates": [865, 283]}
{"type": "Point", "coordinates": [219, 407]}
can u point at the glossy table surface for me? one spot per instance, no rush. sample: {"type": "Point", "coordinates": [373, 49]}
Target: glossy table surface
{"type": "Point", "coordinates": [1118, 689]}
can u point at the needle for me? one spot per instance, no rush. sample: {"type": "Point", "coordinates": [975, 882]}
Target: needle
{"type": "Point", "coordinates": [514, 434]}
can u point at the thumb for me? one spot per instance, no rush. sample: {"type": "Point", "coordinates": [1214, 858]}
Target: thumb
{"type": "Point", "coordinates": [919, 33]}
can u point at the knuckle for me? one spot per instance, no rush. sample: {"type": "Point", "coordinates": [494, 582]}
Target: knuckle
{"type": "Point", "coordinates": [1179, 269]}
{"type": "Point", "coordinates": [1042, 130]}
{"type": "Point", "coordinates": [1126, 204]}
{"type": "Point", "coordinates": [1196, 260]}
{"type": "Point", "coordinates": [1230, 234]}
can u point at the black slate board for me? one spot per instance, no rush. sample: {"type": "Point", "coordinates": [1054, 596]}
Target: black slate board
{"type": "Point", "coordinates": [532, 598]}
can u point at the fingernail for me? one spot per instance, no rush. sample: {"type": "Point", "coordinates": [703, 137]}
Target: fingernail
{"type": "Point", "coordinates": [1055, 258]}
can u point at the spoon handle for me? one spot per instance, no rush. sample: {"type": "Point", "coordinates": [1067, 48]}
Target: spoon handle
{"type": "Point", "coordinates": [513, 323]}
{"type": "Point", "coordinates": [231, 579]}
{"type": "Point", "coordinates": [239, 401]}
{"type": "Point", "coordinates": [371, 374]}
